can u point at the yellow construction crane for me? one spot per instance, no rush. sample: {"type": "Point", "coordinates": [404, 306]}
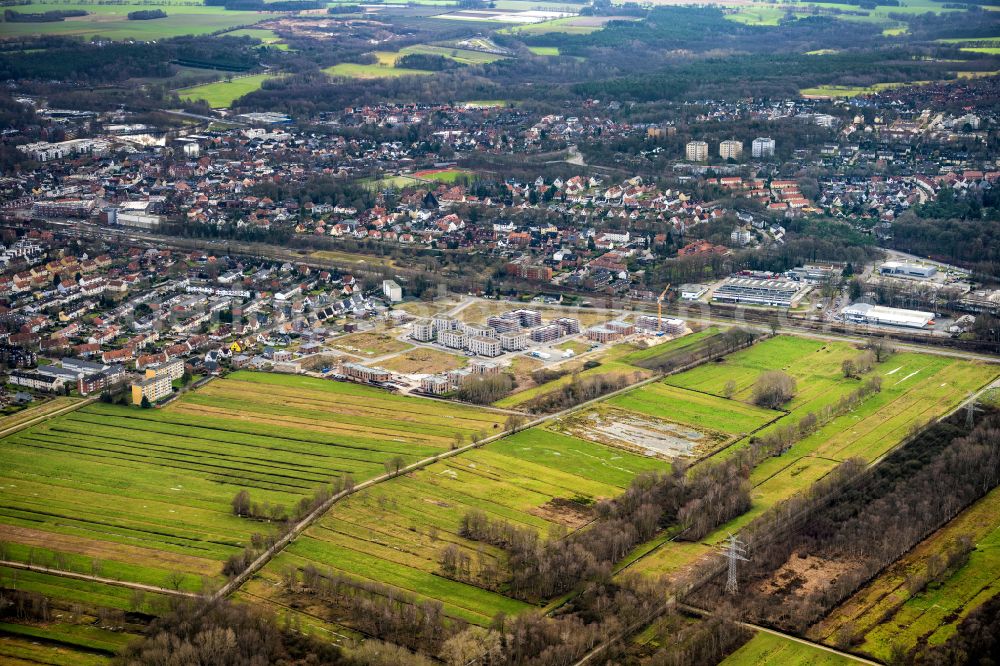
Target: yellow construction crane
{"type": "Point", "coordinates": [659, 308]}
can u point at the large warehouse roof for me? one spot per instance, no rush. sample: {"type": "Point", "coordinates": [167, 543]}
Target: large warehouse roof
{"type": "Point", "coordinates": [877, 314]}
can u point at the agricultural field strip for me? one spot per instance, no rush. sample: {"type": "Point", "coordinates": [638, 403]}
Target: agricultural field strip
{"type": "Point", "coordinates": [695, 409]}
{"type": "Point", "coordinates": [27, 417]}
{"type": "Point", "coordinates": [21, 651]}
{"type": "Point", "coordinates": [296, 438]}
{"type": "Point", "coordinates": [769, 483]}
{"type": "Point", "coordinates": [409, 408]}
{"type": "Point", "coordinates": [886, 613]}
{"type": "Point", "coordinates": [71, 589]}
{"type": "Point", "coordinates": [502, 484]}
{"type": "Point", "coordinates": [84, 636]}
{"type": "Point", "coordinates": [121, 443]}
{"type": "Point", "coordinates": [174, 446]}
{"type": "Point", "coordinates": [100, 580]}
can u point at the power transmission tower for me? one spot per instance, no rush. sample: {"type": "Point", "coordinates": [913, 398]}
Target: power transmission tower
{"type": "Point", "coordinates": [734, 551]}
{"type": "Point", "coordinates": [970, 412]}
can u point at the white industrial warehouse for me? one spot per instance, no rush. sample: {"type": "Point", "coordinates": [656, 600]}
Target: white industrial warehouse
{"type": "Point", "coordinates": [865, 313]}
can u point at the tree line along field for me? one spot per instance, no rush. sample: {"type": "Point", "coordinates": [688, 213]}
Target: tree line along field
{"type": "Point", "coordinates": [147, 493]}
{"type": "Point", "coordinates": [110, 21]}
{"type": "Point", "coordinates": [394, 533]}
{"type": "Point", "coordinates": [915, 389]}
{"type": "Point", "coordinates": [894, 612]}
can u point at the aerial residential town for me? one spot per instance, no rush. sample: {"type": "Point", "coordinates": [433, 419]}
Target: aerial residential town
{"type": "Point", "coordinates": [454, 333]}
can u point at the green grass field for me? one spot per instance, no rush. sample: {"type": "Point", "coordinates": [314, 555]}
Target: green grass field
{"type": "Point", "coordinates": [885, 613]}
{"type": "Point", "coordinates": [16, 650]}
{"type": "Point", "coordinates": [147, 492]}
{"type": "Point", "coordinates": [676, 344]}
{"type": "Point", "coordinates": [766, 649]}
{"type": "Point", "coordinates": [915, 389]}
{"type": "Point", "coordinates": [447, 176]}
{"type": "Point", "coordinates": [109, 21]}
{"type": "Point", "coordinates": [678, 405]}
{"type": "Point", "coordinates": [378, 70]}
{"type": "Point", "coordinates": [394, 533]}
{"type": "Point", "coordinates": [544, 50]}
{"type": "Point", "coordinates": [267, 37]}
{"type": "Point", "coordinates": [855, 91]}
{"type": "Point", "coordinates": [221, 94]}
{"type": "Point", "coordinates": [463, 56]}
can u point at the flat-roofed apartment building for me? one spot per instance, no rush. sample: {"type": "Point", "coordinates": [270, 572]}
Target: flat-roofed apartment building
{"type": "Point", "coordinates": [514, 341]}
{"type": "Point", "coordinates": [484, 346]}
{"type": "Point", "coordinates": [668, 326]}
{"type": "Point", "coordinates": [153, 388]}
{"type": "Point", "coordinates": [422, 330]}
{"type": "Point", "coordinates": [547, 333]}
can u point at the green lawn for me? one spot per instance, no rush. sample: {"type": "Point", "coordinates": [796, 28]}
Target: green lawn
{"type": "Point", "coordinates": [221, 94]}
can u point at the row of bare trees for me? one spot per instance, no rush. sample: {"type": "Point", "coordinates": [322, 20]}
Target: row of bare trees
{"type": "Point", "coordinates": [781, 438]}
{"type": "Point", "coordinates": [862, 520]}
{"type": "Point", "coordinates": [580, 390]}
{"type": "Point", "coordinates": [542, 568]}
{"type": "Point", "coordinates": [710, 347]}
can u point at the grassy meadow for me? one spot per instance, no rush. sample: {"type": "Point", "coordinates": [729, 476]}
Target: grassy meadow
{"type": "Point", "coordinates": [394, 532]}
{"type": "Point", "coordinates": [146, 493]}
{"type": "Point", "coordinates": [110, 21]}
{"type": "Point", "coordinates": [915, 389]}
{"type": "Point", "coordinates": [222, 94]}
{"type": "Point", "coordinates": [764, 649]}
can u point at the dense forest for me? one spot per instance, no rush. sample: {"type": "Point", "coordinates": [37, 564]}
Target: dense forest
{"type": "Point", "coordinates": [70, 59]}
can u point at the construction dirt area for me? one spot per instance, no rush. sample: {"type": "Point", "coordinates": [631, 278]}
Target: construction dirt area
{"type": "Point", "coordinates": [641, 434]}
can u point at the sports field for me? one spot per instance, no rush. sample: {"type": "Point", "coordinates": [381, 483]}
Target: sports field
{"type": "Point", "coordinates": [147, 493]}
{"type": "Point", "coordinates": [887, 613]}
{"type": "Point", "coordinates": [222, 94]}
{"type": "Point", "coordinates": [394, 532]}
